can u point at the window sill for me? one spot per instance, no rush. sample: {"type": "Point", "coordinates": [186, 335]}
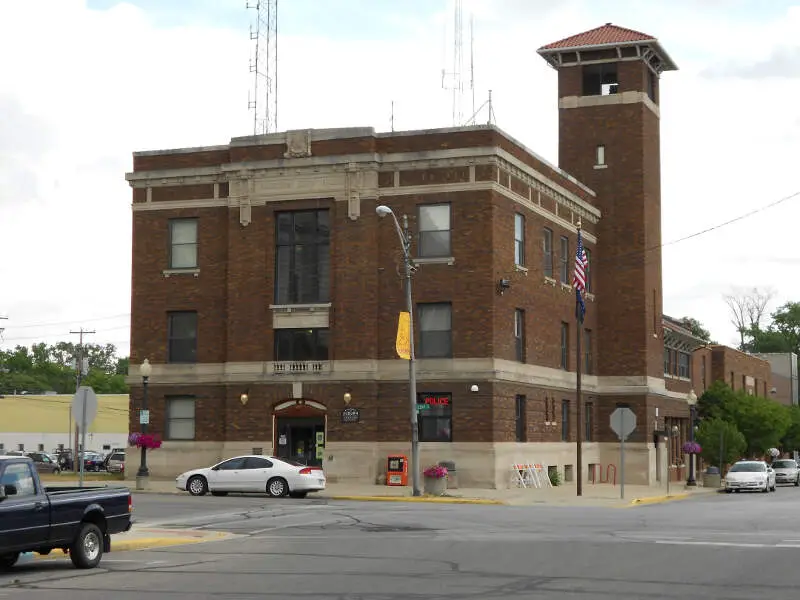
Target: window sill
{"type": "Point", "coordinates": [521, 269]}
{"type": "Point", "coordinates": [300, 316]}
{"type": "Point", "coordinates": [289, 308]}
{"type": "Point", "coordinates": [550, 281]}
{"type": "Point", "coordinates": [599, 167]}
{"type": "Point", "coordinates": [566, 287]}
{"type": "Point", "coordinates": [435, 260]}
{"type": "Point", "coordinates": [171, 272]}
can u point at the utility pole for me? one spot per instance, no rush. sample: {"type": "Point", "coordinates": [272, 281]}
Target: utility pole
{"type": "Point", "coordinates": [81, 369]}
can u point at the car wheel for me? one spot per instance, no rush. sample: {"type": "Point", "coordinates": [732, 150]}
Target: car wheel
{"type": "Point", "coordinates": [298, 494]}
{"type": "Point", "coordinates": [766, 488]}
{"type": "Point", "coordinates": [87, 549]}
{"type": "Point", "coordinates": [197, 486]}
{"type": "Point", "coordinates": [728, 491]}
{"type": "Point", "coordinates": [277, 487]}
{"type": "Point", "coordinates": [8, 560]}
{"type": "Point", "coordinates": [797, 481]}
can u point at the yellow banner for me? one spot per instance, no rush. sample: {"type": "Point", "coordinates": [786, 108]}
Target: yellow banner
{"type": "Point", "coordinates": [403, 344]}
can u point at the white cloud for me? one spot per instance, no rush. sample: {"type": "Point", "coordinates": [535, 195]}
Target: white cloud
{"type": "Point", "coordinates": [86, 88]}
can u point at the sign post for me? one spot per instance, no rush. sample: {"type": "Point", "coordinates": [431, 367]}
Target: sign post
{"type": "Point", "coordinates": [84, 410]}
{"type": "Point", "coordinates": [623, 423]}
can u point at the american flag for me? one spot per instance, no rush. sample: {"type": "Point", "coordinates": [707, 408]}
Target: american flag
{"type": "Point", "coordinates": [579, 280]}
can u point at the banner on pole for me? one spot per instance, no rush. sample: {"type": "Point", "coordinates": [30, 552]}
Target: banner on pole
{"type": "Point", "coordinates": [403, 344]}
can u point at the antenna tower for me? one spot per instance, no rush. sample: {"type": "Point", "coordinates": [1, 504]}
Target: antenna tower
{"type": "Point", "coordinates": [454, 80]}
{"type": "Point", "coordinates": [263, 98]}
{"type": "Point", "coordinates": [2, 329]}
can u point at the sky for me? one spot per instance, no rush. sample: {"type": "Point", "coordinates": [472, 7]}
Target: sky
{"type": "Point", "coordinates": [84, 83]}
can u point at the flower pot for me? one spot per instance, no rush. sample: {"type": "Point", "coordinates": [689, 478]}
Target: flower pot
{"type": "Point", "coordinates": [435, 486]}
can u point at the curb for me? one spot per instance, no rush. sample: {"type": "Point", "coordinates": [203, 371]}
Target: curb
{"type": "Point", "coordinates": [144, 544]}
{"type": "Point", "coordinates": [660, 499]}
{"type": "Point", "coordinates": [430, 499]}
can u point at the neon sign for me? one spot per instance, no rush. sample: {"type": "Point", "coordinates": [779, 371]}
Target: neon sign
{"type": "Point", "coordinates": [434, 399]}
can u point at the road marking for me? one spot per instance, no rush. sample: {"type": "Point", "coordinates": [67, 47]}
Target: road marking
{"type": "Point", "coordinates": [723, 544]}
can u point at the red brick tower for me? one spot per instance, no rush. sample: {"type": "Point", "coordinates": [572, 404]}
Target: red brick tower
{"type": "Point", "coordinates": [608, 99]}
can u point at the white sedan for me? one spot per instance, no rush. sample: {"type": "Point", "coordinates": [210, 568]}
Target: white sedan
{"type": "Point", "coordinates": [750, 475]}
{"type": "Point", "coordinates": [786, 471]}
{"type": "Point", "coordinates": [253, 474]}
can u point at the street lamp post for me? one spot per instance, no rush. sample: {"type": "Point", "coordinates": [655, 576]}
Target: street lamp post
{"type": "Point", "coordinates": [144, 370]}
{"type": "Point", "coordinates": [691, 400]}
{"type": "Point", "coordinates": [405, 243]}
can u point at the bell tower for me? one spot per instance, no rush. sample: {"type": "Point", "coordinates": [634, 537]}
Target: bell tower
{"type": "Point", "coordinates": [609, 113]}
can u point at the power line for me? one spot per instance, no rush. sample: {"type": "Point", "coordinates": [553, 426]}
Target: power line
{"type": "Point", "coordinates": [55, 324]}
{"type": "Point", "coordinates": [52, 335]}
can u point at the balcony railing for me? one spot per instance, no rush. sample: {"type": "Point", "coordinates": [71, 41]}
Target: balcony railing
{"type": "Point", "coordinates": [301, 367]}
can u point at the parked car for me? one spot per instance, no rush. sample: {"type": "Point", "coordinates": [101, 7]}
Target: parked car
{"type": "Point", "coordinates": [254, 474]}
{"type": "Point", "coordinates": [44, 463]}
{"type": "Point", "coordinates": [93, 461]}
{"type": "Point", "coordinates": [750, 475]}
{"type": "Point", "coordinates": [786, 471]}
{"type": "Point", "coordinates": [116, 463]}
{"type": "Point", "coordinates": [80, 521]}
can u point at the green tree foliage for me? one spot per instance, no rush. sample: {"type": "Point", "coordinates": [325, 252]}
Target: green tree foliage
{"type": "Point", "coordinates": [697, 329]}
{"type": "Point", "coordinates": [763, 422]}
{"type": "Point", "coordinates": [43, 368]}
{"type": "Point", "coordinates": [791, 439]}
{"type": "Point", "coordinates": [718, 435]}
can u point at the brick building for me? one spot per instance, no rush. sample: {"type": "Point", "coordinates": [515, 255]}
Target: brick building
{"type": "Point", "coordinates": [266, 290]}
{"type": "Point", "coordinates": [785, 388]}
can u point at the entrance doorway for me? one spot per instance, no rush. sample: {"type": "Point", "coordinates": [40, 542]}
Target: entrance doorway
{"type": "Point", "coordinates": [301, 439]}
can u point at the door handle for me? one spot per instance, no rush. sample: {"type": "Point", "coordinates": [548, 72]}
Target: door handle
{"type": "Point", "coordinates": [38, 506]}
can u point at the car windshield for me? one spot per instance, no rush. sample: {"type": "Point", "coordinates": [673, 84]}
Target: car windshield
{"type": "Point", "coordinates": [747, 468]}
{"type": "Point", "coordinates": [784, 464]}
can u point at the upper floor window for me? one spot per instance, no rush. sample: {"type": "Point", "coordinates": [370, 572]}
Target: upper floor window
{"type": "Point", "coordinates": [183, 243]}
{"type": "Point", "coordinates": [565, 420]}
{"type": "Point", "coordinates": [519, 240]}
{"type": "Point", "coordinates": [684, 365]}
{"type": "Point", "coordinates": [182, 337]}
{"type": "Point", "coordinates": [435, 330]}
{"type": "Point", "coordinates": [564, 346]}
{"type": "Point", "coordinates": [301, 344]}
{"type": "Point", "coordinates": [600, 155]}
{"type": "Point", "coordinates": [521, 418]}
{"type": "Point", "coordinates": [302, 257]}
{"type": "Point", "coordinates": [519, 334]}
{"type": "Point", "coordinates": [588, 270]}
{"type": "Point", "coordinates": [563, 260]}
{"type": "Point", "coordinates": [600, 79]}
{"type": "Point", "coordinates": [547, 247]}
{"type": "Point", "coordinates": [179, 423]}
{"type": "Point", "coordinates": [434, 231]}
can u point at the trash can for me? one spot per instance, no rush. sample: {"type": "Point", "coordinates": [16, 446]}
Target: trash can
{"type": "Point", "coordinates": [712, 478]}
{"type": "Point", "coordinates": [397, 470]}
{"type": "Point", "coordinates": [452, 475]}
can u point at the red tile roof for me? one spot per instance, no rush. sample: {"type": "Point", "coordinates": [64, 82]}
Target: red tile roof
{"type": "Point", "coordinates": [606, 34]}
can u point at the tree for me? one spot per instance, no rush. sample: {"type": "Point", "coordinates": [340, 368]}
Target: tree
{"type": "Point", "coordinates": [747, 310]}
{"type": "Point", "coordinates": [763, 422]}
{"type": "Point", "coordinates": [697, 329]}
{"type": "Point", "coordinates": [716, 401]}
{"type": "Point", "coordinates": [791, 439]}
{"type": "Point", "coordinates": [719, 435]}
{"type": "Point", "coordinates": [786, 322]}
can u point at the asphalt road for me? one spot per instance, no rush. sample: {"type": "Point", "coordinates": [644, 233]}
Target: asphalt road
{"type": "Point", "coordinates": [732, 547]}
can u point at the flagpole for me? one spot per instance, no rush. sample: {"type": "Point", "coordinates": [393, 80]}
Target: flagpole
{"type": "Point", "coordinates": [579, 419]}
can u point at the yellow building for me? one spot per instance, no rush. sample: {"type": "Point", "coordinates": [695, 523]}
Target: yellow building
{"type": "Point", "coordinates": [45, 423]}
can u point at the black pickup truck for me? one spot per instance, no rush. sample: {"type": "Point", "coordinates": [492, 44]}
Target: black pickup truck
{"type": "Point", "coordinates": [79, 521]}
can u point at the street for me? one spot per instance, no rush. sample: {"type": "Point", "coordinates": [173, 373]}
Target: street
{"type": "Point", "coordinates": [737, 546]}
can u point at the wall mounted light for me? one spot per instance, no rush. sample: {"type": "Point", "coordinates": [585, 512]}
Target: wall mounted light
{"type": "Point", "coordinates": [244, 398]}
{"type": "Point", "coordinates": [347, 398]}
{"type": "Point", "coordinates": [502, 286]}
{"type": "Point", "coordinates": [473, 388]}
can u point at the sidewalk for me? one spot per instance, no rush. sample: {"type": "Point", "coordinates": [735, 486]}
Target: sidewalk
{"type": "Point", "coordinates": [564, 495]}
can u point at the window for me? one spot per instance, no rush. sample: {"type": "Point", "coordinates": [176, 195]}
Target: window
{"type": "Point", "coordinates": [600, 155]}
{"type": "Point", "coordinates": [563, 260]}
{"type": "Point", "coordinates": [652, 86]}
{"type": "Point", "coordinates": [435, 335]}
{"type": "Point", "coordinates": [41, 447]}
{"type": "Point", "coordinates": [301, 344]}
{"type": "Point", "coordinates": [588, 270]}
{"type": "Point", "coordinates": [587, 351]}
{"type": "Point", "coordinates": [182, 343]}
{"type": "Point", "coordinates": [683, 365]}
{"type": "Point", "coordinates": [519, 240]}
{"type": "Point", "coordinates": [180, 418]}
{"type": "Point", "coordinates": [564, 346]}
{"type": "Point", "coordinates": [435, 417]}
{"type": "Point", "coordinates": [256, 462]}
{"type": "Point", "coordinates": [21, 447]}
{"type": "Point", "coordinates": [302, 257]}
{"type": "Point", "coordinates": [666, 361]}
{"type": "Point", "coordinates": [183, 243]}
{"type": "Point", "coordinates": [434, 231]}
{"type": "Point", "coordinates": [521, 420]}
{"type": "Point", "coordinates": [547, 246]}
{"type": "Point", "coordinates": [565, 420]}
{"type": "Point", "coordinates": [18, 480]}
{"type": "Point", "coordinates": [234, 464]}
{"type": "Point", "coordinates": [588, 422]}
{"type": "Point", "coordinates": [519, 334]}
{"type": "Point", "coordinates": [600, 79]}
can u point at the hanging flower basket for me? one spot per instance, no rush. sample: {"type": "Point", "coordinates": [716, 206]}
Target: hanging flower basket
{"type": "Point", "coordinates": [692, 448]}
{"type": "Point", "coordinates": [141, 440]}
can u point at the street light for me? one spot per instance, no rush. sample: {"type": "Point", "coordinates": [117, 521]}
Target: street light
{"type": "Point", "coordinates": [691, 400]}
{"type": "Point", "coordinates": [144, 370]}
{"type": "Point", "coordinates": [405, 243]}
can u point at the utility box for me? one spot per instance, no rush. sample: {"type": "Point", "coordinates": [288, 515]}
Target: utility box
{"type": "Point", "coordinates": [397, 470]}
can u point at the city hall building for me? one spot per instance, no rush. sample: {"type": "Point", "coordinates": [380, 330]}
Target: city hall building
{"type": "Point", "coordinates": [266, 290]}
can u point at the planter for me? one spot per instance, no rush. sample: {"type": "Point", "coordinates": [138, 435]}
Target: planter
{"type": "Point", "coordinates": [435, 486]}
